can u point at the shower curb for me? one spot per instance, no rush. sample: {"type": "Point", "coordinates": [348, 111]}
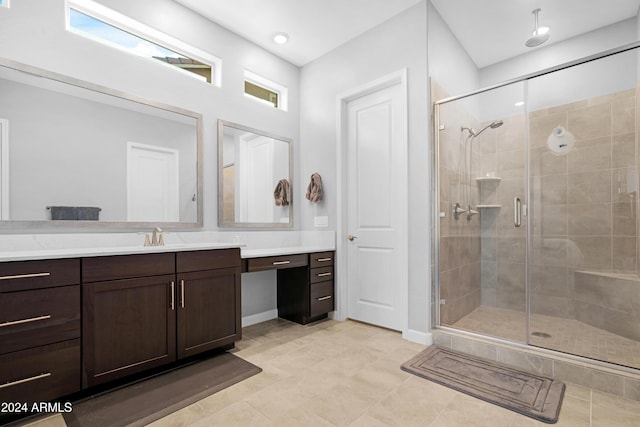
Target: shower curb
{"type": "Point", "coordinates": [607, 378]}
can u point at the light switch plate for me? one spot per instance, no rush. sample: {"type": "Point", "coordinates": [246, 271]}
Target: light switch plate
{"type": "Point", "coordinates": [321, 221]}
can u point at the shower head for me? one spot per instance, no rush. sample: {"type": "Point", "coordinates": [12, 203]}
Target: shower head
{"type": "Point", "coordinates": [492, 125]}
{"type": "Point", "coordinates": [539, 36]}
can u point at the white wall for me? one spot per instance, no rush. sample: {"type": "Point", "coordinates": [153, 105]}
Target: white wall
{"type": "Point", "coordinates": [449, 64]}
{"type": "Point", "coordinates": [398, 43]}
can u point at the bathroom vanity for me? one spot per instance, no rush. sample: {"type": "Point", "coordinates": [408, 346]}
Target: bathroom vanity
{"type": "Point", "coordinates": [72, 320]}
{"type": "Point", "coordinates": [306, 290]}
{"type": "Point", "coordinates": [69, 324]}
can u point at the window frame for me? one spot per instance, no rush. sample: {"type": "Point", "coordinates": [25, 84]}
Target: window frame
{"type": "Point", "coordinates": [280, 90]}
{"type": "Point", "coordinates": [140, 30]}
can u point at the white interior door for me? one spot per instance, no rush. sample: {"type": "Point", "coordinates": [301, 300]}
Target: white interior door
{"type": "Point", "coordinates": [377, 207]}
{"type": "Point", "coordinates": [152, 183]}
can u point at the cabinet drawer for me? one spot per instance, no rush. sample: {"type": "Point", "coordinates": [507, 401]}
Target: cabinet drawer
{"type": "Point", "coordinates": [321, 259]}
{"type": "Point", "coordinates": [207, 260]}
{"type": "Point", "coordinates": [23, 275]}
{"type": "Point", "coordinates": [322, 298]}
{"type": "Point", "coordinates": [38, 317]}
{"type": "Point", "coordinates": [321, 274]}
{"type": "Point", "coordinates": [104, 268]}
{"type": "Point", "coordinates": [40, 374]}
{"type": "Point", "coordinates": [276, 262]}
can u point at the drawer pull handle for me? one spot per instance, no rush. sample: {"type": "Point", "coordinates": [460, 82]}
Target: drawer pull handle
{"type": "Point", "coordinates": [182, 293]}
{"type": "Point", "coordinates": [323, 259]}
{"type": "Point", "coordinates": [324, 298]}
{"type": "Point", "coordinates": [324, 274]}
{"type": "Point", "coordinates": [172, 296]}
{"type": "Point", "coordinates": [25, 380]}
{"type": "Point", "coordinates": [25, 276]}
{"type": "Point", "coordinates": [29, 320]}
{"type": "Point", "coordinates": [281, 262]}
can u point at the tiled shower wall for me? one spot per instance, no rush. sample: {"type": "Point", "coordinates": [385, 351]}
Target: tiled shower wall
{"type": "Point", "coordinates": [583, 207]}
{"type": "Point", "coordinates": [583, 204]}
{"type": "Point", "coordinates": [460, 265]}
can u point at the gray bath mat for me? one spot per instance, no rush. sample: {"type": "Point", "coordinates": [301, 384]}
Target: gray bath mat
{"type": "Point", "coordinates": [528, 394]}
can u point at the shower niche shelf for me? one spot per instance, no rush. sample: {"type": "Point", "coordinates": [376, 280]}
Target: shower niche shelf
{"type": "Point", "coordinates": [488, 184]}
{"type": "Point", "coordinates": [488, 179]}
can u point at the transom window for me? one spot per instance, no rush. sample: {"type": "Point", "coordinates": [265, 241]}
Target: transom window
{"type": "Point", "coordinates": [265, 91]}
{"type": "Point", "coordinates": [98, 23]}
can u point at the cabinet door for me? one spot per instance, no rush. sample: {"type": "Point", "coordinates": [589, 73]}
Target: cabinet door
{"type": "Point", "coordinates": [208, 310]}
{"type": "Point", "coordinates": [128, 326]}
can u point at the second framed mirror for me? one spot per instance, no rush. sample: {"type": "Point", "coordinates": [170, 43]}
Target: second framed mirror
{"type": "Point", "coordinates": [254, 178]}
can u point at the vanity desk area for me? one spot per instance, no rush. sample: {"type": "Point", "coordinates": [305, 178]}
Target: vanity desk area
{"type": "Point", "coordinates": [305, 280]}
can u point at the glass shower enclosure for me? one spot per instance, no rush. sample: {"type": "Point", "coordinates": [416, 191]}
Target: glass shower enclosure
{"type": "Point", "coordinates": [537, 224]}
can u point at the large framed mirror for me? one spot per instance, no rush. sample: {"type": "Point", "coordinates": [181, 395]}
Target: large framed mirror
{"type": "Point", "coordinates": [254, 178]}
{"type": "Point", "coordinates": [75, 154]}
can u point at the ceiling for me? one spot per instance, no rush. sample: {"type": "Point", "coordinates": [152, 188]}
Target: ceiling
{"type": "Point", "coordinates": [315, 27]}
{"type": "Point", "coordinates": [494, 30]}
{"type": "Point", "coordinates": [489, 30]}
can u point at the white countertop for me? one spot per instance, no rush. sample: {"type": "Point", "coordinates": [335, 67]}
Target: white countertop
{"type": "Point", "coordinates": [252, 244]}
{"type": "Point", "coordinates": [257, 253]}
{"type": "Point", "coordinates": [35, 254]}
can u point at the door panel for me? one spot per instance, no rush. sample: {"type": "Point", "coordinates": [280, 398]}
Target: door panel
{"type": "Point", "coordinates": [207, 303]}
{"type": "Point", "coordinates": [152, 180]}
{"type": "Point", "coordinates": [376, 188]}
{"type": "Point", "coordinates": [140, 337]}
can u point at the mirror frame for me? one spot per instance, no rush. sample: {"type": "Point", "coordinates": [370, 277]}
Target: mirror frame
{"type": "Point", "coordinates": [100, 225]}
{"type": "Point", "coordinates": [255, 225]}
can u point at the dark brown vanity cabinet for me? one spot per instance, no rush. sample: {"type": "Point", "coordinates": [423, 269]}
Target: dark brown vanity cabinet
{"type": "Point", "coordinates": [306, 294]}
{"type": "Point", "coordinates": [39, 330]}
{"type": "Point", "coordinates": [128, 318]}
{"type": "Point", "coordinates": [145, 311]}
{"type": "Point", "coordinates": [208, 300]}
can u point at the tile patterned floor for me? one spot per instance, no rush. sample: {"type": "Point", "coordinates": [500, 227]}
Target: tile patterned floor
{"type": "Point", "coordinates": [569, 336]}
{"type": "Point", "coordinates": [348, 374]}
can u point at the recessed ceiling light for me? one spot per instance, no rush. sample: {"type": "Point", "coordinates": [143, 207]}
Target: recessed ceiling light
{"type": "Point", "coordinates": [281, 38]}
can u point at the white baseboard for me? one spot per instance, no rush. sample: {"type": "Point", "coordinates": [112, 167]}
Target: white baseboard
{"type": "Point", "coordinates": [259, 317]}
{"type": "Point", "coordinates": [425, 338]}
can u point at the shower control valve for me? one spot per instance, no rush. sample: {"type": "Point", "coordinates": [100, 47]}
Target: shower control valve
{"type": "Point", "coordinates": [458, 210]}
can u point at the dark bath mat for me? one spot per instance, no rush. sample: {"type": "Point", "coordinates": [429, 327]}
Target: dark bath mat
{"type": "Point", "coordinates": [151, 399]}
{"type": "Point", "coordinates": [528, 394]}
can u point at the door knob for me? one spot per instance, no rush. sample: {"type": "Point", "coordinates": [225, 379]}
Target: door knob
{"type": "Point", "coordinates": [351, 237]}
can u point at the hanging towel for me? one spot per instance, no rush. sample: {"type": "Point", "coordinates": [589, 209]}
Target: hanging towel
{"type": "Point", "coordinates": [282, 193]}
{"type": "Point", "coordinates": [314, 190]}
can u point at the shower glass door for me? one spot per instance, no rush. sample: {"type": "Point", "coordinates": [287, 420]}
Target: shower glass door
{"type": "Point", "coordinates": [538, 209]}
{"type": "Point", "coordinates": [482, 170]}
{"type": "Point", "coordinates": [584, 286]}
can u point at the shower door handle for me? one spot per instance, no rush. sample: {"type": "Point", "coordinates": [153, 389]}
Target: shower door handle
{"type": "Point", "coordinates": [517, 212]}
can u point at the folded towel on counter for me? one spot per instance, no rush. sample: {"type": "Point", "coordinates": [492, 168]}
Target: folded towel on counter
{"type": "Point", "coordinates": [282, 193]}
{"type": "Point", "coordinates": [314, 190]}
{"type": "Point", "coordinates": [74, 213]}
